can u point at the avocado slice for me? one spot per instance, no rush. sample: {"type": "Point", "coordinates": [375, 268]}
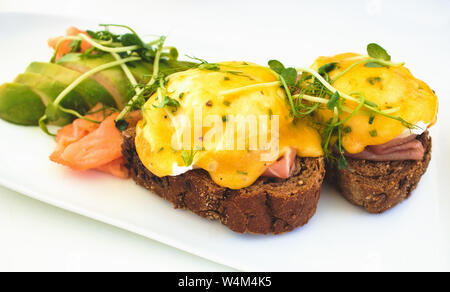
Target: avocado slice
{"type": "Point", "coordinates": [113, 79]}
{"type": "Point", "coordinates": [19, 104]}
{"type": "Point", "coordinates": [51, 88]}
{"type": "Point", "coordinates": [92, 91]}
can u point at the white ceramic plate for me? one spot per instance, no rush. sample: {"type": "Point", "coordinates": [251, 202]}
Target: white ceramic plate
{"type": "Point", "coordinates": [413, 236]}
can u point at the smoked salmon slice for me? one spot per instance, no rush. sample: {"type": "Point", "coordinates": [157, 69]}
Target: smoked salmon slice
{"type": "Point", "coordinates": [64, 47]}
{"type": "Point", "coordinates": [85, 145]}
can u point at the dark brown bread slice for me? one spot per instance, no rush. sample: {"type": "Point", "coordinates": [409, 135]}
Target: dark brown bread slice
{"type": "Point", "coordinates": [268, 206]}
{"type": "Point", "coordinates": [379, 186]}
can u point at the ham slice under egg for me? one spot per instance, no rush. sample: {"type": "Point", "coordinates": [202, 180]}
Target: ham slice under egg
{"type": "Point", "coordinates": [284, 167]}
{"type": "Point", "coordinates": [400, 148]}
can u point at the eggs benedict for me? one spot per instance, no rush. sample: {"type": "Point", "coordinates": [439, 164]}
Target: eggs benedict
{"type": "Point", "coordinates": [387, 150]}
{"type": "Point", "coordinates": [391, 88]}
{"type": "Point", "coordinates": [221, 141]}
{"type": "Point", "coordinates": [206, 106]}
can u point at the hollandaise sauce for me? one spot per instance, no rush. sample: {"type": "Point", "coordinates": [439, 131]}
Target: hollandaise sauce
{"type": "Point", "coordinates": [389, 87]}
{"type": "Point", "coordinates": [170, 141]}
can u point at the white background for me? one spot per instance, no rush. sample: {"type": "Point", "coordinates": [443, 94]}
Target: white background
{"type": "Point", "coordinates": [35, 236]}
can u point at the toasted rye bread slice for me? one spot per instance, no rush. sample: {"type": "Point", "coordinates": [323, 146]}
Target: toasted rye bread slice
{"type": "Point", "coordinates": [268, 206]}
{"type": "Point", "coordinates": [379, 186]}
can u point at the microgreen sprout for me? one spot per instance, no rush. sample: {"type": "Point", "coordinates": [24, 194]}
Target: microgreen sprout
{"type": "Point", "coordinates": [137, 100]}
{"type": "Point", "coordinates": [125, 49]}
{"type": "Point", "coordinates": [308, 90]}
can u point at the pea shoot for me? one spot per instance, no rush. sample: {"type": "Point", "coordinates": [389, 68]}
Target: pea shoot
{"type": "Point", "coordinates": [125, 48]}
{"type": "Point", "coordinates": [311, 90]}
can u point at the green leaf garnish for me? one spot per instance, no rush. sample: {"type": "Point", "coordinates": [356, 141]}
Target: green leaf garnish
{"type": "Point", "coordinates": [373, 133]}
{"type": "Point", "coordinates": [276, 66]}
{"type": "Point", "coordinates": [333, 102]}
{"type": "Point", "coordinates": [342, 163]}
{"type": "Point", "coordinates": [130, 39]}
{"type": "Point", "coordinates": [290, 76]}
{"type": "Point", "coordinates": [167, 101]}
{"type": "Point", "coordinates": [327, 68]}
{"type": "Point", "coordinates": [377, 52]}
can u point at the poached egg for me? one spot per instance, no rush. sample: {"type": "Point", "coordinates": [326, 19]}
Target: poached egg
{"type": "Point", "coordinates": [230, 90]}
{"type": "Point", "coordinates": [389, 88]}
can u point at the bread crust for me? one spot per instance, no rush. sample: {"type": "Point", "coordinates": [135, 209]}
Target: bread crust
{"type": "Point", "coordinates": [380, 185]}
{"type": "Point", "coordinates": [268, 206]}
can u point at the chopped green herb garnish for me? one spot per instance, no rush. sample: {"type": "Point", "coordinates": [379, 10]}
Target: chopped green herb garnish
{"type": "Point", "coordinates": [347, 129]}
{"type": "Point", "coordinates": [226, 103]}
{"type": "Point", "coordinates": [371, 118]}
{"type": "Point", "coordinates": [188, 157]}
{"type": "Point", "coordinates": [373, 133]}
{"type": "Point", "coordinates": [242, 172]}
{"type": "Point", "coordinates": [374, 80]}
